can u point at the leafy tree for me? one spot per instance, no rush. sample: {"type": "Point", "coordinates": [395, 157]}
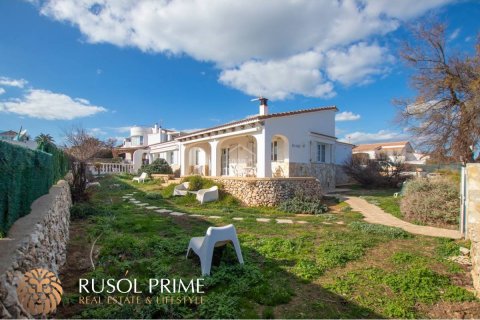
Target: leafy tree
{"type": "Point", "coordinates": [445, 113]}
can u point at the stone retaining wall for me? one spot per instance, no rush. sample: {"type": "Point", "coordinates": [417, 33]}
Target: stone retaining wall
{"type": "Point", "coordinates": [268, 191]}
{"type": "Point", "coordinates": [324, 172]}
{"type": "Point", "coordinates": [38, 240]}
{"type": "Point", "coordinates": [473, 220]}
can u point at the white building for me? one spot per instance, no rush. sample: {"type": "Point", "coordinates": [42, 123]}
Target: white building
{"type": "Point", "coordinates": [287, 144]}
{"type": "Point", "coordinates": [394, 151]}
{"type": "Point", "coordinates": [136, 148]}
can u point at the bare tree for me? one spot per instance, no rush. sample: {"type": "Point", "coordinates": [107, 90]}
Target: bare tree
{"type": "Point", "coordinates": [82, 147]}
{"type": "Point", "coordinates": [445, 114]}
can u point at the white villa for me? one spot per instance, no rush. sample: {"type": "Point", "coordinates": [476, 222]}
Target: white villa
{"type": "Point", "coordinates": [298, 143]}
{"type": "Point", "coordinates": [395, 151]}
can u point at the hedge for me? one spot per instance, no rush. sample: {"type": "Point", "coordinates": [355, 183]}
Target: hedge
{"type": "Point", "coordinates": [25, 175]}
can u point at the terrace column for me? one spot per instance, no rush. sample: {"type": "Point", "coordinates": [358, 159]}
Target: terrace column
{"type": "Point", "coordinates": [264, 166]}
{"type": "Point", "coordinates": [213, 158]}
{"type": "Point", "coordinates": [183, 160]}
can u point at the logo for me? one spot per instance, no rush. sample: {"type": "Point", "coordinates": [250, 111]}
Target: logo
{"type": "Point", "coordinates": [39, 291]}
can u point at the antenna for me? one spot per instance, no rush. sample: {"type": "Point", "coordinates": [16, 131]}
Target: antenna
{"type": "Point", "coordinates": [263, 101]}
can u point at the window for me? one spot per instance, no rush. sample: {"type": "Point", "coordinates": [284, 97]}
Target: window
{"type": "Point", "coordinates": [197, 157]}
{"type": "Point", "coordinates": [321, 152]}
{"type": "Point", "coordinates": [137, 141]}
{"type": "Point", "coordinates": [274, 150]}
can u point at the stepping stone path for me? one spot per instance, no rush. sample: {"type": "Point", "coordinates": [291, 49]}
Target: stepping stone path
{"type": "Point", "coordinates": [141, 204]}
{"type": "Point", "coordinates": [163, 211]}
{"type": "Point", "coordinates": [340, 222]}
{"type": "Point", "coordinates": [326, 222]}
{"type": "Point", "coordinates": [129, 197]}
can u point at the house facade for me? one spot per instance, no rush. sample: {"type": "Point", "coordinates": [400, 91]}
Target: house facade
{"type": "Point", "coordinates": [298, 143]}
{"type": "Point", "coordinates": [394, 151]}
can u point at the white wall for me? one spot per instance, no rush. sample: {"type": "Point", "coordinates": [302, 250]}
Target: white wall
{"type": "Point", "coordinates": [343, 152]}
{"type": "Point", "coordinates": [297, 129]}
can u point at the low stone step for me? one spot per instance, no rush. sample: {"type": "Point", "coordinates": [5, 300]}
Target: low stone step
{"type": "Point", "coordinates": [163, 211]}
{"type": "Point", "coordinates": [263, 220]}
{"type": "Point", "coordinates": [284, 221]}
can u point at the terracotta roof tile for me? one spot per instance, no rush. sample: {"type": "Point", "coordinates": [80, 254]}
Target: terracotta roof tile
{"type": "Point", "coordinates": [378, 146]}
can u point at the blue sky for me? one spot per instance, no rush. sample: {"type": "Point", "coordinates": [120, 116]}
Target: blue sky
{"type": "Point", "coordinates": [108, 65]}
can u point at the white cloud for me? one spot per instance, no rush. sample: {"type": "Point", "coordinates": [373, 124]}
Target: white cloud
{"type": "Point", "coordinates": [454, 34]}
{"type": "Point", "coordinates": [48, 105]}
{"type": "Point", "coordinates": [97, 132]}
{"type": "Point", "coordinates": [346, 116]}
{"type": "Point", "coordinates": [279, 79]}
{"type": "Point", "coordinates": [19, 83]}
{"type": "Point", "coordinates": [359, 137]}
{"type": "Point", "coordinates": [357, 63]}
{"type": "Point", "coordinates": [2, 91]}
{"type": "Point", "coordinates": [255, 46]}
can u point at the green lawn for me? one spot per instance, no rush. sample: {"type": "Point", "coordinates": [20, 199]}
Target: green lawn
{"type": "Point", "coordinates": [336, 266]}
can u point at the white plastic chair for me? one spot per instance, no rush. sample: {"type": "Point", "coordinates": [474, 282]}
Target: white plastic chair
{"type": "Point", "coordinates": [142, 177]}
{"type": "Point", "coordinates": [181, 189]}
{"type": "Point", "coordinates": [215, 237]}
{"type": "Point", "coordinates": [207, 195]}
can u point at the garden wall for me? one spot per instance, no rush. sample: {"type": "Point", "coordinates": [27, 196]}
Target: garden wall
{"type": "Point", "coordinates": [37, 240]}
{"type": "Point", "coordinates": [268, 191]}
{"type": "Point", "coordinates": [473, 219]}
{"type": "Point", "coordinates": [324, 172]}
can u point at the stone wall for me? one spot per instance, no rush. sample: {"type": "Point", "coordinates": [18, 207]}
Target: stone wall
{"type": "Point", "coordinates": [268, 191]}
{"type": "Point", "coordinates": [341, 178]}
{"type": "Point", "coordinates": [324, 172]}
{"type": "Point", "coordinates": [473, 220]}
{"type": "Point", "coordinates": [38, 240]}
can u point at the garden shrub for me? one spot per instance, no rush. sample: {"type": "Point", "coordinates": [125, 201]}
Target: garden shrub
{"type": "Point", "coordinates": [300, 203]}
{"type": "Point", "coordinates": [375, 173]}
{"type": "Point", "coordinates": [158, 166]}
{"type": "Point", "coordinates": [433, 201]}
{"type": "Point", "coordinates": [198, 182]}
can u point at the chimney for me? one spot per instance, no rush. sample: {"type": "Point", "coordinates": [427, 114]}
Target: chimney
{"type": "Point", "coordinates": [263, 106]}
{"type": "Point", "coordinates": [155, 128]}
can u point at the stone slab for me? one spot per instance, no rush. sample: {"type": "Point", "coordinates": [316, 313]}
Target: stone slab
{"type": "Point", "coordinates": [214, 217]}
{"type": "Point", "coordinates": [284, 221]}
{"type": "Point", "coordinates": [178, 214]}
{"type": "Point", "coordinates": [151, 207]}
{"type": "Point", "coordinates": [302, 222]}
{"type": "Point", "coordinates": [263, 220]}
{"type": "Point", "coordinates": [163, 211]}
{"type": "Point", "coordinates": [237, 218]}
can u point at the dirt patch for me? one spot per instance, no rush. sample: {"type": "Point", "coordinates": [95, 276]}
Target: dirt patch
{"type": "Point", "coordinates": [78, 264]}
{"type": "Point", "coordinates": [452, 310]}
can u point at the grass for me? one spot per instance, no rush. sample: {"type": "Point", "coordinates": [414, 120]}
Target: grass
{"type": "Point", "coordinates": [336, 266]}
{"type": "Point", "coordinates": [382, 198]}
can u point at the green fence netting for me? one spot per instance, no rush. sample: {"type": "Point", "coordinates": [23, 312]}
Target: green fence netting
{"type": "Point", "coordinates": [25, 175]}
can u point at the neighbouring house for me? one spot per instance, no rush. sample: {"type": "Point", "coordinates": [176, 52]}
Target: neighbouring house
{"type": "Point", "coordinates": [23, 139]}
{"type": "Point", "coordinates": [136, 148]}
{"type": "Point", "coordinates": [395, 151]}
{"type": "Point", "coordinates": [299, 143]}
{"type": "Point", "coordinates": [8, 135]}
